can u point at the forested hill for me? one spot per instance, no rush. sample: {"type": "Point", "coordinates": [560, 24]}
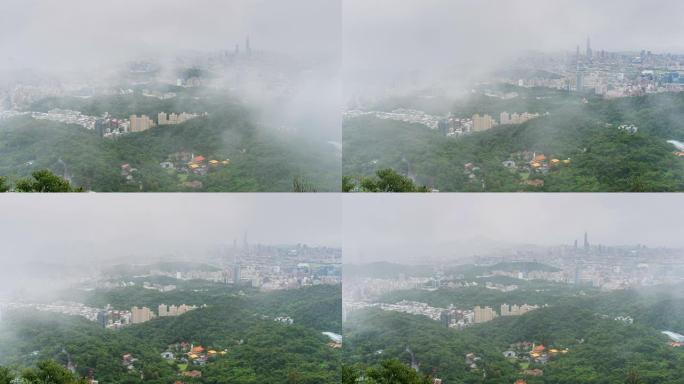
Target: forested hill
{"type": "Point", "coordinates": [601, 157]}
{"type": "Point", "coordinates": [596, 338]}
{"type": "Point", "coordinates": [256, 348]}
{"type": "Point", "coordinates": [258, 158]}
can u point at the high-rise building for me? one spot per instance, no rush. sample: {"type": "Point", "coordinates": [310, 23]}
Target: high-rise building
{"type": "Point", "coordinates": [445, 319]}
{"type": "Point", "coordinates": [102, 318]}
{"type": "Point", "coordinates": [483, 315]}
{"type": "Point", "coordinates": [141, 315]}
{"type": "Point", "coordinates": [482, 123]}
{"type": "Point", "coordinates": [139, 124]}
{"type": "Point", "coordinates": [579, 80]}
{"type": "Point", "coordinates": [586, 241]}
{"type": "Point", "coordinates": [162, 118]}
{"type": "Point", "coordinates": [589, 51]}
{"type": "Point", "coordinates": [163, 310]}
{"type": "Point", "coordinates": [248, 49]}
{"type": "Point", "coordinates": [504, 118]}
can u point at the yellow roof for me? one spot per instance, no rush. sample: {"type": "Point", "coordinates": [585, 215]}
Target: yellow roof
{"type": "Point", "coordinates": [213, 161]}
{"type": "Point", "coordinates": [193, 166]}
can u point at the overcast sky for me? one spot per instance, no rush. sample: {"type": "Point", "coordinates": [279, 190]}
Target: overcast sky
{"type": "Point", "coordinates": [408, 34]}
{"type": "Point", "coordinates": [68, 33]}
{"type": "Point", "coordinates": [67, 228]}
{"type": "Point", "coordinates": [408, 227]}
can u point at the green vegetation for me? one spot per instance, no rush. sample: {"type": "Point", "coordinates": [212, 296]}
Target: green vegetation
{"type": "Point", "coordinates": [44, 181]}
{"type": "Point", "coordinates": [258, 348]}
{"type": "Point", "coordinates": [600, 348]}
{"type": "Point", "coordinates": [602, 158]}
{"type": "Point", "coordinates": [45, 372]}
{"type": "Point", "coordinates": [261, 159]}
{"type": "Point", "coordinates": [385, 180]}
{"type": "Point", "coordinates": [388, 372]}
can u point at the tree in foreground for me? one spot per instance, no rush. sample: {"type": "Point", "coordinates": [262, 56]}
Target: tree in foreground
{"type": "Point", "coordinates": [5, 376]}
{"type": "Point", "coordinates": [49, 372]}
{"type": "Point", "coordinates": [389, 372]}
{"type": "Point", "coordinates": [384, 180]}
{"type": "Point", "coordinates": [4, 187]}
{"type": "Point", "coordinates": [44, 181]}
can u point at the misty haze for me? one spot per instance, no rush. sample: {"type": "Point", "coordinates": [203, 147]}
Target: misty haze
{"type": "Point", "coordinates": [170, 288]}
{"type": "Point", "coordinates": [514, 288]}
{"type": "Point", "coordinates": [525, 95]}
{"type": "Point", "coordinates": [172, 96]}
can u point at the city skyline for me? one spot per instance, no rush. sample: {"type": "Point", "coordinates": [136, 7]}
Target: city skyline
{"type": "Point", "coordinates": [46, 35]}
{"type": "Point", "coordinates": [101, 227]}
{"type": "Point", "coordinates": [448, 229]}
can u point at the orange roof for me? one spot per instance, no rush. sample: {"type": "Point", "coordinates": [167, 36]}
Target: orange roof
{"type": "Point", "coordinates": [197, 349]}
{"type": "Point", "coordinates": [520, 381]}
{"type": "Point", "coordinates": [539, 348]}
{"type": "Point", "coordinates": [540, 157]}
{"type": "Point", "coordinates": [198, 159]}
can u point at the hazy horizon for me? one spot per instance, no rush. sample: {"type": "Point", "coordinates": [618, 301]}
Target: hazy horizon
{"type": "Point", "coordinates": [51, 35]}
{"type": "Point", "coordinates": [414, 228]}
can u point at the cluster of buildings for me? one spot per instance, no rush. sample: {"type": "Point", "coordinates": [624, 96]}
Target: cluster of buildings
{"type": "Point", "coordinates": [449, 317]}
{"type": "Point", "coordinates": [608, 74]}
{"type": "Point", "coordinates": [186, 162]}
{"type": "Point", "coordinates": [265, 267]}
{"type": "Point", "coordinates": [144, 314]}
{"type": "Point", "coordinates": [66, 116]}
{"type": "Point", "coordinates": [171, 119]}
{"type": "Point", "coordinates": [533, 162]}
{"type": "Point", "coordinates": [450, 125]}
{"type": "Point", "coordinates": [599, 266]}
{"type": "Point", "coordinates": [411, 116]}
{"type": "Point", "coordinates": [526, 352]}
{"type": "Point", "coordinates": [485, 122]}
{"type": "Point", "coordinates": [144, 122]}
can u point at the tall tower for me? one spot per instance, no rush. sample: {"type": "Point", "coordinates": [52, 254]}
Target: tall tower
{"type": "Point", "coordinates": [589, 52]}
{"type": "Point", "coordinates": [586, 241]}
{"type": "Point", "coordinates": [248, 49]}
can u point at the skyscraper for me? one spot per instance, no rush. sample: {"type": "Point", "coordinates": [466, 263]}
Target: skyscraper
{"type": "Point", "coordinates": [586, 241]}
{"type": "Point", "coordinates": [102, 318]}
{"type": "Point", "coordinates": [589, 52]}
{"type": "Point", "coordinates": [445, 319]}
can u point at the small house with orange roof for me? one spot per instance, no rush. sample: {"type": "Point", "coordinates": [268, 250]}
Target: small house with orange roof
{"type": "Point", "coordinates": [540, 157]}
{"type": "Point", "coordinates": [197, 349]}
{"type": "Point", "coordinates": [198, 159]}
{"type": "Point", "coordinates": [538, 348]}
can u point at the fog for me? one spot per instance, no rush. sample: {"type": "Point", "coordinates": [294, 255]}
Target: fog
{"type": "Point", "coordinates": [291, 81]}
{"type": "Point", "coordinates": [62, 236]}
{"type": "Point", "coordinates": [79, 33]}
{"type": "Point", "coordinates": [459, 41]}
{"type": "Point", "coordinates": [427, 227]}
